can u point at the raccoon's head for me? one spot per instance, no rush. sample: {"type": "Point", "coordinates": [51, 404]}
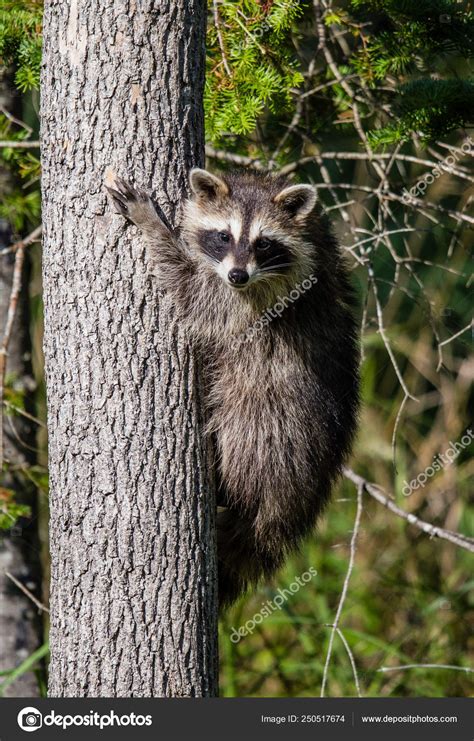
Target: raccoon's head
{"type": "Point", "coordinates": [249, 229]}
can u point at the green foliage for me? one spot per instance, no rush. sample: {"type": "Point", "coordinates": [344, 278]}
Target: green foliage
{"type": "Point", "coordinates": [416, 38]}
{"type": "Point", "coordinates": [20, 49]}
{"type": "Point", "coordinates": [32, 663]}
{"type": "Point", "coordinates": [10, 510]}
{"type": "Point", "coordinates": [431, 108]}
{"type": "Point", "coordinates": [20, 40]}
{"type": "Point", "coordinates": [253, 70]}
{"type": "Point", "coordinates": [22, 162]}
{"type": "Point", "coordinates": [250, 68]}
{"type": "Point", "coordinates": [14, 394]}
{"type": "Point", "coordinates": [410, 34]}
{"type": "Point", "coordinates": [20, 208]}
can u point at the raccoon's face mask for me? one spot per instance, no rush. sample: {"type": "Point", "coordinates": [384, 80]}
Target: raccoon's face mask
{"type": "Point", "coordinates": [247, 235]}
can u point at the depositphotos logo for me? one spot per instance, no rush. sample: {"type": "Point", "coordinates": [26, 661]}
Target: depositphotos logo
{"type": "Point", "coordinates": [30, 719]}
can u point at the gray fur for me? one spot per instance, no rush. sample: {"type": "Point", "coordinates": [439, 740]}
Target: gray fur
{"type": "Point", "coordinates": [282, 407]}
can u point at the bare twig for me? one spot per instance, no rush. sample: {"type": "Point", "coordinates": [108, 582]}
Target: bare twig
{"type": "Point", "coordinates": [5, 112]}
{"type": "Point", "coordinates": [24, 414]}
{"type": "Point", "coordinates": [395, 430]}
{"type": "Point", "coordinates": [26, 591]}
{"type": "Point", "coordinates": [35, 236]}
{"type": "Point", "coordinates": [351, 659]}
{"type": "Point", "coordinates": [331, 62]}
{"type": "Point", "coordinates": [413, 202]}
{"type": "Point", "coordinates": [425, 666]}
{"type": "Point", "coordinates": [345, 587]}
{"type": "Point", "coordinates": [386, 340]}
{"type": "Point", "coordinates": [431, 264]}
{"type": "Point", "coordinates": [17, 144]}
{"type": "Point", "coordinates": [446, 342]}
{"type": "Point", "coordinates": [462, 541]}
{"type": "Point", "coordinates": [234, 159]}
{"type": "Point", "coordinates": [220, 39]}
{"type": "Point", "coordinates": [19, 249]}
{"type": "Point", "coordinates": [363, 156]}
{"type": "Point", "coordinates": [458, 150]}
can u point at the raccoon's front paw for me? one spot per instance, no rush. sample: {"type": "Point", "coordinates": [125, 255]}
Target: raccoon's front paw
{"type": "Point", "coordinates": [133, 203]}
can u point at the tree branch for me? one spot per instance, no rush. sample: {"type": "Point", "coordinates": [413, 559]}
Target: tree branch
{"type": "Point", "coordinates": [462, 541]}
{"type": "Point", "coordinates": [17, 144]}
{"type": "Point", "coordinates": [26, 591]}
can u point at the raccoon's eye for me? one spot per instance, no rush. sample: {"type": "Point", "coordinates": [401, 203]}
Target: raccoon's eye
{"type": "Point", "coordinates": [224, 237]}
{"type": "Point", "coordinates": [263, 244]}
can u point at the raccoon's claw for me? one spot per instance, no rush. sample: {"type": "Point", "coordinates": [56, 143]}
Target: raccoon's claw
{"type": "Point", "coordinates": [138, 207]}
{"type": "Point", "coordinates": [120, 205]}
{"type": "Point", "coordinates": [124, 196]}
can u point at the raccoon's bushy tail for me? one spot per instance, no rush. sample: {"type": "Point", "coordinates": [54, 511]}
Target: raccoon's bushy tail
{"type": "Point", "coordinates": [246, 554]}
{"type": "Point", "coordinates": [239, 562]}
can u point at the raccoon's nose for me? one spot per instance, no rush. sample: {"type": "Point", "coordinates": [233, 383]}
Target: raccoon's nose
{"type": "Point", "coordinates": [238, 277]}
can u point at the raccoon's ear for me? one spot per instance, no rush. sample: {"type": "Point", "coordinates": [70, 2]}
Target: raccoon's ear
{"type": "Point", "coordinates": [297, 200]}
{"type": "Point", "coordinates": [206, 186]}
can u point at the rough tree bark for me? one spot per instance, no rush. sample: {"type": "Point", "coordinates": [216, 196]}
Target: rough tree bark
{"type": "Point", "coordinates": [20, 625]}
{"type": "Point", "coordinates": [133, 588]}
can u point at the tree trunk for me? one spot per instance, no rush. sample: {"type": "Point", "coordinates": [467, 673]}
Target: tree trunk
{"type": "Point", "coordinates": [20, 624]}
{"type": "Point", "coordinates": [133, 586]}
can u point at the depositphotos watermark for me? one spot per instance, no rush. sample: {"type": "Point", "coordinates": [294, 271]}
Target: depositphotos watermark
{"type": "Point", "coordinates": [440, 461]}
{"type": "Point", "coordinates": [422, 184]}
{"type": "Point", "coordinates": [256, 34]}
{"type": "Point", "coordinates": [271, 605]}
{"type": "Point", "coordinates": [30, 719]}
{"type": "Point", "coordinates": [276, 311]}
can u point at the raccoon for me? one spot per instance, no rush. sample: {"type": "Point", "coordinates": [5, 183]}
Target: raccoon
{"type": "Point", "coordinates": [281, 386]}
